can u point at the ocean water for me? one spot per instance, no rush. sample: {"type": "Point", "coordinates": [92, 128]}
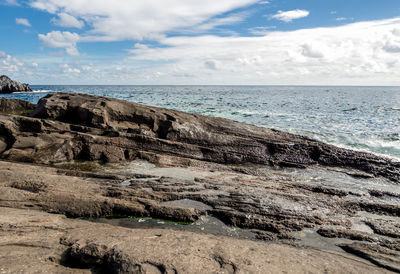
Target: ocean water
{"type": "Point", "coordinates": [359, 118]}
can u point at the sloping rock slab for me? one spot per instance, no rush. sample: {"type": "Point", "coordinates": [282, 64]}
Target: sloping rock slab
{"type": "Point", "coordinates": [111, 130]}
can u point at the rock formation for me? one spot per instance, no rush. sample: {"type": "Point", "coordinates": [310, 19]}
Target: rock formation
{"type": "Point", "coordinates": [88, 156]}
{"type": "Point", "coordinates": [8, 86]}
{"type": "Point", "coordinates": [66, 127]}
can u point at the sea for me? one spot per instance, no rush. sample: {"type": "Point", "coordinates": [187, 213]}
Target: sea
{"type": "Point", "coordinates": [359, 118]}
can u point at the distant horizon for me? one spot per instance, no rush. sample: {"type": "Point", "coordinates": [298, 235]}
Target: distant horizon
{"type": "Point", "coordinates": [249, 85]}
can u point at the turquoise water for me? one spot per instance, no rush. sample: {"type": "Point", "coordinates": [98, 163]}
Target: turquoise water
{"type": "Point", "coordinates": [360, 118]}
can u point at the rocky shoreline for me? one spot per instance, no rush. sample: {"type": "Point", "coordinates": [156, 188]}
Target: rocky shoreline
{"type": "Point", "coordinates": [78, 155]}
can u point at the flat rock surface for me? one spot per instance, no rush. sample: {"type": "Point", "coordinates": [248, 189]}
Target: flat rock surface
{"type": "Point", "coordinates": [36, 242]}
{"type": "Point", "coordinates": [276, 205]}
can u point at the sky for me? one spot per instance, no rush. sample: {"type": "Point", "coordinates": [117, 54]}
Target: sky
{"type": "Point", "coordinates": [201, 42]}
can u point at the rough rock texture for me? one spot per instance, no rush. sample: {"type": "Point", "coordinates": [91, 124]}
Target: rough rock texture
{"type": "Point", "coordinates": [68, 127]}
{"type": "Point", "coordinates": [274, 204]}
{"type": "Point", "coordinates": [148, 161]}
{"type": "Point", "coordinates": [8, 86]}
{"type": "Point", "coordinates": [36, 242]}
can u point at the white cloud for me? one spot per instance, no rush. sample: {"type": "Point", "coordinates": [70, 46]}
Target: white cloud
{"type": "Point", "coordinates": [312, 51]}
{"type": "Point", "coordinates": [392, 46]}
{"type": "Point", "coordinates": [68, 69]}
{"type": "Point", "coordinates": [343, 19]}
{"type": "Point", "coordinates": [289, 16]}
{"type": "Point", "coordinates": [58, 39]}
{"type": "Point", "coordinates": [136, 20]}
{"type": "Point", "coordinates": [359, 53]}
{"type": "Point", "coordinates": [396, 32]}
{"type": "Point", "coordinates": [22, 21]}
{"type": "Point", "coordinates": [216, 22]}
{"type": "Point", "coordinates": [9, 64]}
{"type": "Point", "coordinates": [67, 21]}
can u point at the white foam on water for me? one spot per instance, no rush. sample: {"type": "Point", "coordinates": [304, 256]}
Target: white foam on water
{"type": "Point", "coordinates": [34, 91]}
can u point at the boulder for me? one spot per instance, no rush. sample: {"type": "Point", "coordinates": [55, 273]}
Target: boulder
{"type": "Point", "coordinates": [8, 86]}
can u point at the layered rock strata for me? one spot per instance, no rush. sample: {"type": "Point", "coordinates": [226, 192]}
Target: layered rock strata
{"type": "Point", "coordinates": [87, 156]}
{"type": "Point", "coordinates": [66, 127]}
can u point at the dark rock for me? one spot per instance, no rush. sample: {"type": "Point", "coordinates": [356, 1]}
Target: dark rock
{"type": "Point", "coordinates": [380, 256]}
{"type": "Point", "coordinates": [15, 106]}
{"type": "Point", "coordinates": [8, 86]}
{"type": "Point", "coordinates": [345, 233]}
{"type": "Point", "coordinates": [109, 130]}
{"type": "Point", "coordinates": [385, 227]}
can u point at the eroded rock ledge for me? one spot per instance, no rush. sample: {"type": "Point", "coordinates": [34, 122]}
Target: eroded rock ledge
{"type": "Point", "coordinates": [65, 127]}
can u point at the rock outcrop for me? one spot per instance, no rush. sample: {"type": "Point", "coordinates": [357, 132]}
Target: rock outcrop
{"type": "Point", "coordinates": [9, 86]}
{"type": "Point", "coordinates": [177, 166]}
{"type": "Point", "coordinates": [66, 127]}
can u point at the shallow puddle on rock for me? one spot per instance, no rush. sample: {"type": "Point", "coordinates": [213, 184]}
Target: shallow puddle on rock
{"type": "Point", "coordinates": [144, 167]}
{"type": "Point", "coordinates": [310, 238]}
{"type": "Point", "coordinates": [205, 224]}
{"type": "Point", "coordinates": [187, 203]}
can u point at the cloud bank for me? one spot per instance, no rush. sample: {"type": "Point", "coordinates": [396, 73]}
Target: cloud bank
{"type": "Point", "coordinates": [171, 45]}
{"type": "Point", "coordinates": [137, 20]}
{"type": "Point", "coordinates": [353, 53]}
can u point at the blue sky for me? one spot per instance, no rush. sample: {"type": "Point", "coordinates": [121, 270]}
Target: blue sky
{"type": "Point", "coordinates": [309, 42]}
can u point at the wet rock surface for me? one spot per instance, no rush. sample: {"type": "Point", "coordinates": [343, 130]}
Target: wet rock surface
{"type": "Point", "coordinates": [9, 86]}
{"type": "Point", "coordinates": [146, 162]}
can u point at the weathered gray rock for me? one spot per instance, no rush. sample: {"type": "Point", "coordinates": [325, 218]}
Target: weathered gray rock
{"type": "Point", "coordinates": [8, 86]}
